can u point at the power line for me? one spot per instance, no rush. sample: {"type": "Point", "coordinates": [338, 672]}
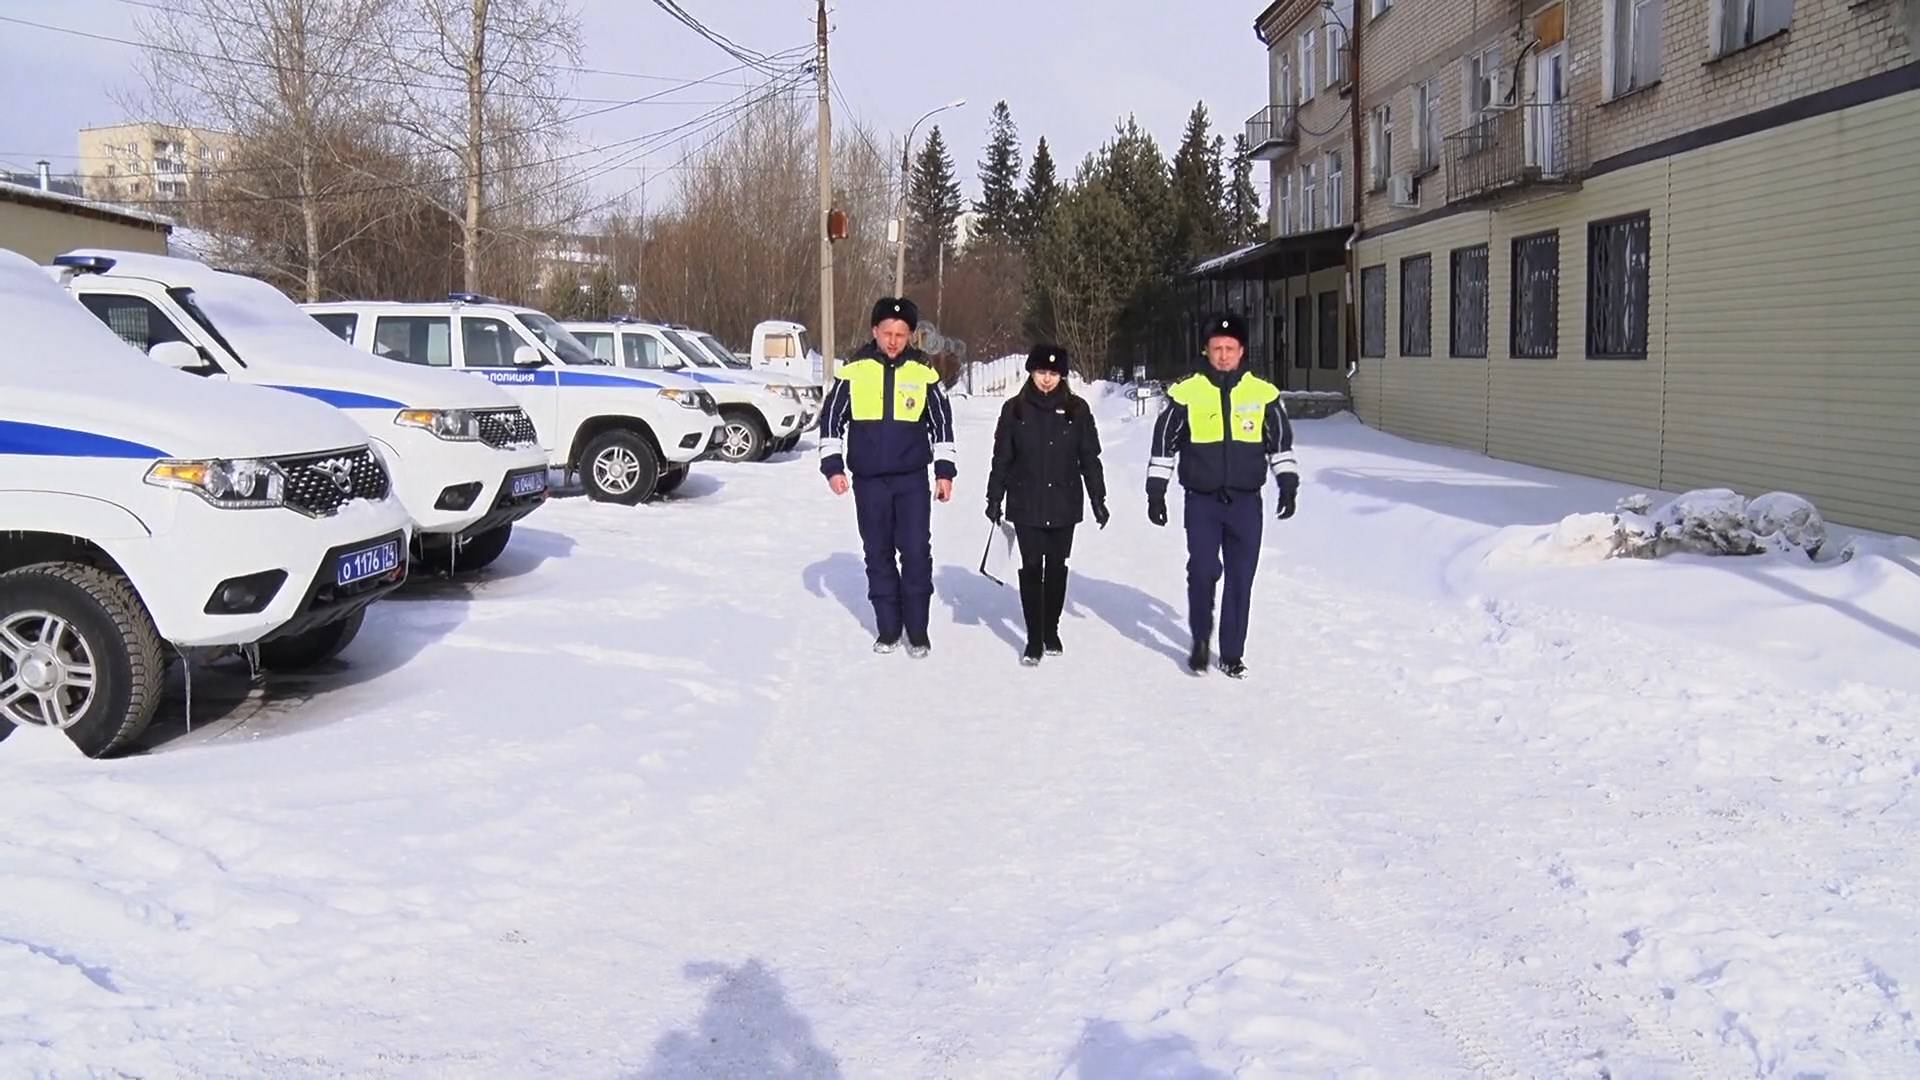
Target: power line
{"type": "Point", "coordinates": [162, 8]}
{"type": "Point", "coordinates": [726, 44]}
{"type": "Point", "coordinates": [376, 80]}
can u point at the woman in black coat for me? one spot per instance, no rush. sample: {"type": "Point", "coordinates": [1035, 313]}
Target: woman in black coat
{"type": "Point", "coordinates": [1046, 465]}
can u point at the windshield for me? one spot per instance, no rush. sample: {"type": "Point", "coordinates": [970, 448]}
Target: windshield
{"type": "Point", "coordinates": [722, 353]}
{"type": "Point", "coordinates": [555, 337]}
{"type": "Point", "coordinates": [695, 355]}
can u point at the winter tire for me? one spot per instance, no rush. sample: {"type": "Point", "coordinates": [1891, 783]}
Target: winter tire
{"type": "Point", "coordinates": [313, 648]}
{"type": "Point", "coordinates": [671, 480]}
{"type": "Point", "coordinates": [620, 467]}
{"type": "Point", "coordinates": [744, 437]}
{"type": "Point", "coordinates": [476, 553]}
{"type": "Point", "coordinates": [78, 652]}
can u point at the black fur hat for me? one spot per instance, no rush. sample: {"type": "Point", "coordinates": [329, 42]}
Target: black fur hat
{"type": "Point", "coordinates": [896, 307]}
{"type": "Point", "coordinates": [1226, 325]}
{"type": "Point", "coordinates": [1045, 357]}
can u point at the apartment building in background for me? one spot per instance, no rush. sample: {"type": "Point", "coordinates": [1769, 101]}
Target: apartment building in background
{"type": "Point", "coordinates": [1667, 242]}
{"type": "Point", "coordinates": [147, 163]}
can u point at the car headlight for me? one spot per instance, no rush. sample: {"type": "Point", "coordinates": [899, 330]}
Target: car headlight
{"type": "Point", "coordinates": [240, 484]}
{"type": "Point", "coordinates": [686, 399]}
{"type": "Point", "coordinates": [453, 425]}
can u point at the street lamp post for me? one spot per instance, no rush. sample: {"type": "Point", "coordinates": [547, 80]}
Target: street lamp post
{"type": "Point", "coordinates": [900, 257]}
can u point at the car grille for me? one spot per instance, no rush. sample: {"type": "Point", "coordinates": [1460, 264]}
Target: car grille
{"type": "Point", "coordinates": [502, 428]}
{"type": "Point", "coordinates": [319, 484]}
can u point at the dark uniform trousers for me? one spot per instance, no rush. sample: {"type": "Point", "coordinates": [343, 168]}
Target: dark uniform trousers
{"type": "Point", "coordinates": [1223, 532]}
{"type": "Point", "coordinates": [896, 519]}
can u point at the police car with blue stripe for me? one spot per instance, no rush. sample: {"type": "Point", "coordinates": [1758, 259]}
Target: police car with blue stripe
{"type": "Point", "coordinates": [629, 434]}
{"type": "Point", "coordinates": [463, 455]}
{"type": "Point", "coordinates": [145, 515]}
{"type": "Point", "coordinates": [762, 414]}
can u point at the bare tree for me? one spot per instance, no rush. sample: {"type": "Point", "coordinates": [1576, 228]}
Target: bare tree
{"type": "Point", "coordinates": [481, 87]}
{"type": "Point", "coordinates": [283, 80]}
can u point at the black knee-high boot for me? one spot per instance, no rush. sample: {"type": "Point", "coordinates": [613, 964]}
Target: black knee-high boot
{"type": "Point", "coordinates": [1033, 606]}
{"type": "Point", "coordinates": [1055, 588]}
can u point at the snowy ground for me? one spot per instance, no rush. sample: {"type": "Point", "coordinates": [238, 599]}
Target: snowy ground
{"type": "Point", "coordinates": [641, 804]}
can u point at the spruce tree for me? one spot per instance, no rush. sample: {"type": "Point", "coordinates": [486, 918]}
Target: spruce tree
{"type": "Point", "coordinates": [933, 205]}
{"type": "Point", "coordinates": [999, 204]}
{"type": "Point", "coordinates": [1038, 198]}
{"type": "Point", "coordinates": [1198, 227]}
{"type": "Point", "coordinates": [1243, 201]}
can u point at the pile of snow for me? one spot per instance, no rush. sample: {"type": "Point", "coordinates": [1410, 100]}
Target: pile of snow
{"type": "Point", "coordinates": [1711, 521]}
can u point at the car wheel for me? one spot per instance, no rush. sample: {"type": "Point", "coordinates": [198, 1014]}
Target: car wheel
{"type": "Point", "coordinates": [313, 648]}
{"type": "Point", "coordinates": [743, 437]}
{"type": "Point", "coordinates": [620, 467]}
{"type": "Point", "coordinates": [78, 652]}
{"type": "Point", "coordinates": [476, 553]}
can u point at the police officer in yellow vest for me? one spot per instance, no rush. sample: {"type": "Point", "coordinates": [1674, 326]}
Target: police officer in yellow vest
{"type": "Point", "coordinates": [884, 421]}
{"type": "Point", "coordinates": [1228, 429]}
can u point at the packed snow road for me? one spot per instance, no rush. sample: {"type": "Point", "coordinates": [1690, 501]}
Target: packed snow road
{"type": "Point", "coordinates": [641, 803]}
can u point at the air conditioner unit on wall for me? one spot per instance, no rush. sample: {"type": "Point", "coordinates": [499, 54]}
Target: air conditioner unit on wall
{"type": "Point", "coordinates": [1403, 190]}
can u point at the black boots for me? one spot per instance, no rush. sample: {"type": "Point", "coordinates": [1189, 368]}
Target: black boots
{"type": "Point", "coordinates": [1197, 662]}
{"type": "Point", "coordinates": [1033, 607]}
{"type": "Point", "coordinates": [1055, 588]}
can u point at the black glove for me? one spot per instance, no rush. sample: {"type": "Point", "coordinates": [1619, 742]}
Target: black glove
{"type": "Point", "coordinates": [1157, 507]}
{"type": "Point", "coordinates": [993, 512]}
{"type": "Point", "coordinates": [1100, 514]}
{"type": "Point", "coordinates": [1289, 494]}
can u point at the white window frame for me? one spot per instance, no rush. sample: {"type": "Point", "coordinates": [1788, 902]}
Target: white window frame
{"type": "Point", "coordinates": [1284, 89]}
{"type": "Point", "coordinates": [1309, 198]}
{"type": "Point", "coordinates": [1739, 24]}
{"type": "Point", "coordinates": [1309, 55]}
{"type": "Point", "coordinates": [1623, 41]}
{"type": "Point", "coordinates": [1286, 203]}
{"type": "Point", "coordinates": [1332, 24]}
{"type": "Point", "coordinates": [1377, 8]}
{"type": "Point", "coordinates": [1428, 136]}
{"type": "Point", "coordinates": [1477, 70]}
{"type": "Point", "coordinates": [1380, 144]}
{"type": "Point", "coordinates": [1336, 189]}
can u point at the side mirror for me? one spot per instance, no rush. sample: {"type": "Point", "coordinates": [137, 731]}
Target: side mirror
{"type": "Point", "coordinates": [527, 356]}
{"type": "Point", "coordinates": [178, 354]}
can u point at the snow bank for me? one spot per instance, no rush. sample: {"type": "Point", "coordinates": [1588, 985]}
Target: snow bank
{"type": "Point", "coordinates": [1714, 521]}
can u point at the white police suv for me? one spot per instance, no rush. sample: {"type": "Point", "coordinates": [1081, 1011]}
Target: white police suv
{"type": "Point", "coordinates": [762, 414]}
{"type": "Point", "coordinates": [145, 515]}
{"type": "Point", "coordinates": [629, 434]}
{"type": "Point", "coordinates": [463, 455]}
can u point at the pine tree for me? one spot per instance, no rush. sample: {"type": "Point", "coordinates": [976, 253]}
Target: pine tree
{"type": "Point", "coordinates": [1243, 202]}
{"type": "Point", "coordinates": [999, 204]}
{"type": "Point", "coordinates": [933, 205]}
{"type": "Point", "coordinates": [1038, 199]}
{"type": "Point", "coordinates": [1199, 230]}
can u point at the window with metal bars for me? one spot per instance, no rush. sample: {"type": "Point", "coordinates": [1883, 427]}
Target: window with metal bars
{"type": "Point", "coordinates": [1416, 306]}
{"type": "Point", "coordinates": [1619, 265]}
{"type": "Point", "coordinates": [1468, 311]}
{"type": "Point", "coordinates": [1302, 332]}
{"type": "Point", "coordinates": [1373, 311]}
{"type": "Point", "coordinates": [1536, 296]}
{"type": "Point", "coordinates": [1330, 330]}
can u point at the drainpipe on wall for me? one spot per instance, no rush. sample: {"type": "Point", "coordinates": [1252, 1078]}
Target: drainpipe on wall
{"type": "Point", "coordinates": [46, 176]}
{"type": "Point", "coordinates": [1359, 197]}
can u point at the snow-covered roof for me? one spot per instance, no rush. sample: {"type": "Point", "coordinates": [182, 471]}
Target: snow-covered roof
{"type": "Point", "coordinates": [73, 204]}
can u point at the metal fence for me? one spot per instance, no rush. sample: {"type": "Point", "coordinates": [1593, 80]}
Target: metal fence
{"type": "Point", "coordinates": [1512, 147]}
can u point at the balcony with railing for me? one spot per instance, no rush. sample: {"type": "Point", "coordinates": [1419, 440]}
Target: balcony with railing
{"type": "Point", "coordinates": [1515, 148]}
{"type": "Point", "coordinates": [1273, 132]}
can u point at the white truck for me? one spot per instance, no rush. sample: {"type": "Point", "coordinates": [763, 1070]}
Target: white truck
{"type": "Point", "coordinates": [629, 435]}
{"type": "Point", "coordinates": [145, 516]}
{"type": "Point", "coordinates": [781, 347]}
{"type": "Point", "coordinates": [464, 458]}
{"type": "Point", "coordinates": [762, 414]}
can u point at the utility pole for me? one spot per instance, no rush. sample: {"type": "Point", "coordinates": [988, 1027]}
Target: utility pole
{"type": "Point", "coordinates": [826, 209]}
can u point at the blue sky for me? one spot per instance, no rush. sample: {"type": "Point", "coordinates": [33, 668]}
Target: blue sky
{"type": "Point", "coordinates": [1068, 68]}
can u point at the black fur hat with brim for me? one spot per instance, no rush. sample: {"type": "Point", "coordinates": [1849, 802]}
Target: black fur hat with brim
{"type": "Point", "coordinates": [896, 307]}
{"type": "Point", "coordinates": [1226, 325]}
{"type": "Point", "coordinates": [1045, 357]}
